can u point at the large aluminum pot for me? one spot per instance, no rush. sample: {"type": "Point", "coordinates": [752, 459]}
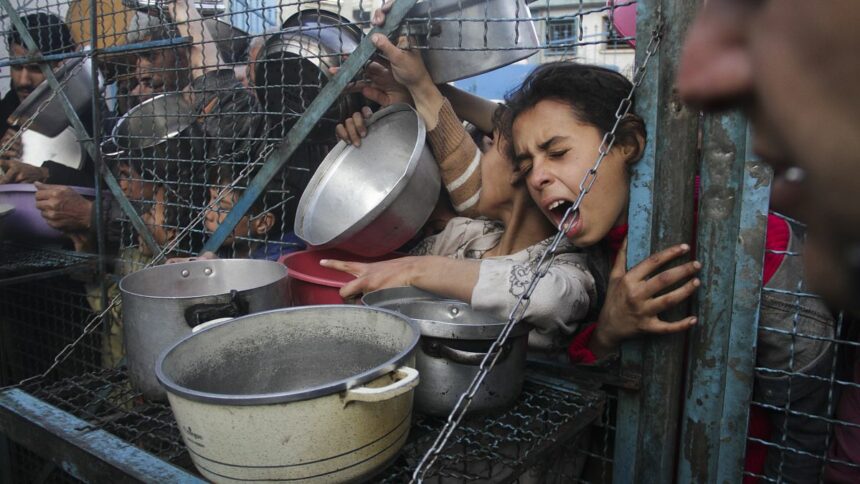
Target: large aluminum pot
{"type": "Point", "coordinates": [310, 394]}
{"type": "Point", "coordinates": [161, 304]}
{"type": "Point", "coordinates": [458, 49]}
{"type": "Point", "coordinates": [373, 199]}
{"type": "Point", "coordinates": [454, 340]}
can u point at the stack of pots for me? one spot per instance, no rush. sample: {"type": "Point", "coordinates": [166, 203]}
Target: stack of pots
{"type": "Point", "coordinates": [454, 341]}
{"type": "Point", "coordinates": [162, 304]}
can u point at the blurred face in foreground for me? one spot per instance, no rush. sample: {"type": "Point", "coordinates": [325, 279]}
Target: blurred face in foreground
{"type": "Point", "coordinates": [792, 65]}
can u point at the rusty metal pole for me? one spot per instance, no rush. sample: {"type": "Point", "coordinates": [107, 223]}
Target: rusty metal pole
{"type": "Point", "coordinates": [732, 223]}
{"type": "Point", "coordinates": [660, 215]}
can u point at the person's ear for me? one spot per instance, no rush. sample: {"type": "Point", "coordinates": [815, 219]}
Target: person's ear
{"type": "Point", "coordinates": [263, 224]}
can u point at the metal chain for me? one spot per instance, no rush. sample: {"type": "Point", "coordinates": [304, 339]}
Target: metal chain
{"type": "Point", "coordinates": [541, 268]}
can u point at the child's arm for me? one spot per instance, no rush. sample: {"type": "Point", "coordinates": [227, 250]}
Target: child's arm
{"type": "Point", "coordinates": [558, 305]}
{"type": "Point", "coordinates": [203, 51]}
{"type": "Point", "coordinates": [472, 108]}
{"type": "Point", "coordinates": [457, 155]}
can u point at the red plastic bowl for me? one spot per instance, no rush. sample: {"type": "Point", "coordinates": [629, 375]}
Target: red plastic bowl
{"type": "Point", "coordinates": [311, 284]}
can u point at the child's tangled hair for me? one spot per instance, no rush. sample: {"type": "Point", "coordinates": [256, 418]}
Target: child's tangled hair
{"type": "Point", "coordinates": [593, 93]}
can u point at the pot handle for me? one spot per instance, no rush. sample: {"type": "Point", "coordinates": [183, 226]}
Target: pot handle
{"type": "Point", "coordinates": [200, 313]}
{"type": "Point", "coordinates": [406, 380]}
{"type": "Point", "coordinates": [463, 357]}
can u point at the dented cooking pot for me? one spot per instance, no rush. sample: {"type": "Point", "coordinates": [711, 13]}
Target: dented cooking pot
{"type": "Point", "coordinates": [454, 341]}
{"type": "Point", "coordinates": [162, 304]}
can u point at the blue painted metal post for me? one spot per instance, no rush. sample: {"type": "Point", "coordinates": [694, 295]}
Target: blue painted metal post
{"type": "Point", "coordinates": [85, 452]}
{"type": "Point", "coordinates": [732, 224]}
{"type": "Point", "coordinates": [660, 215]}
{"type": "Point", "coordinates": [82, 135]}
{"type": "Point", "coordinates": [327, 96]}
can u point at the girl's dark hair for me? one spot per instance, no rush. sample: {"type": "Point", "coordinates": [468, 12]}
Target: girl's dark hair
{"type": "Point", "coordinates": [593, 93]}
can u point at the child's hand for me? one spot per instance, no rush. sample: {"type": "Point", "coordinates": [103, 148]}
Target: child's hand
{"type": "Point", "coordinates": [373, 276]}
{"type": "Point", "coordinates": [378, 86]}
{"type": "Point", "coordinates": [632, 303]}
{"type": "Point", "coordinates": [354, 127]}
{"type": "Point", "coordinates": [407, 66]}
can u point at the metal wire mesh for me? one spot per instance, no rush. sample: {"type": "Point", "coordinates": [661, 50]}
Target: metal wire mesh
{"type": "Point", "coordinates": [19, 262]}
{"type": "Point", "coordinates": [498, 447]}
{"type": "Point", "coordinates": [805, 363]}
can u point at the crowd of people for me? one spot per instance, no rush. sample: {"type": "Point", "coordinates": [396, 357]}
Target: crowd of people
{"type": "Point", "coordinates": [510, 173]}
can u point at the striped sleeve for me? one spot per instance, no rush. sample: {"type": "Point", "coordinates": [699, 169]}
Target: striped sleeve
{"type": "Point", "coordinates": [459, 161]}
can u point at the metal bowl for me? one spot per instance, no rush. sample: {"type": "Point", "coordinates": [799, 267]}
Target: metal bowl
{"type": "Point", "coordinates": [373, 199]}
{"type": "Point", "coordinates": [293, 67]}
{"type": "Point", "coordinates": [153, 126]}
{"type": "Point", "coordinates": [52, 120]}
{"type": "Point", "coordinates": [26, 223]}
{"type": "Point", "coordinates": [459, 49]}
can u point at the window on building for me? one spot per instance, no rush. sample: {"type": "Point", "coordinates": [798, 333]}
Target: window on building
{"type": "Point", "coordinates": [561, 36]}
{"type": "Point", "coordinates": [614, 39]}
{"type": "Point", "coordinates": [361, 15]}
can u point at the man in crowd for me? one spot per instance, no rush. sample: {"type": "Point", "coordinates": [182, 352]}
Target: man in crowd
{"type": "Point", "coordinates": [72, 166]}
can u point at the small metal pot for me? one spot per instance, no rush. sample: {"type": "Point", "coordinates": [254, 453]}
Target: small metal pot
{"type": "Point", "coordinates": [459, 49]}
{"type": "Point", "coordinates": [454, 340]}
{"type": "Point", "coordinates": [372, 199]}
{"type": "Point", "coordinates": [162, 304]}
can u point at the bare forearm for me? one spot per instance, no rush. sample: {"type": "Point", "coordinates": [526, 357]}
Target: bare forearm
{"type": "Point", "coordinates": [454, 278]}
{"type": "Point", "coordinates": [472, 108]}
{"type": "Point", "coordinates": [204, 52]}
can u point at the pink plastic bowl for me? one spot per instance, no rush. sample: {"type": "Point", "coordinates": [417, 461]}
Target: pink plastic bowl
{"type": "Point", "coordinates": [311, 284]}
{"type": "Point", "coordinates": [26, 222]}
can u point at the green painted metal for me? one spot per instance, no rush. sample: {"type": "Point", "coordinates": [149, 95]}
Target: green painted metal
{"type": "Point", "coordinates": [81, 132]}
{"type": "Point", "coordinates": [660, 216]}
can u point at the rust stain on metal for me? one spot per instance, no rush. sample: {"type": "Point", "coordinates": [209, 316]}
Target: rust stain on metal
{"type": "Point", "coordinates": [697, 451]}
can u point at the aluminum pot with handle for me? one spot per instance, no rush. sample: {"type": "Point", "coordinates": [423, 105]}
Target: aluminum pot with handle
{"type": "Point", "coordinates": [458, 49]}
{"type": "Point", "coordinates": [309, 394]}
{"type": "Point", "coordinates": [372, 199]}
{"type": "Point", "coordinates": [161, 304]}
{"type": "Point", "coordinates": [454, 340]}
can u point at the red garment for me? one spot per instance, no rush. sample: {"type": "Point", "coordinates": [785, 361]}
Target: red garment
{"type": "Point", "coordinates": [777, 238]}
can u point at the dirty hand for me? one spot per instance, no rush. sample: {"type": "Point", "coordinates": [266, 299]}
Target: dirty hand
{"type": "Point", "coordinates": [16, 171]}
{"type": "Point", "coordinates": [354, 127]}
{"type": "Point", "coordinates": [379, 86]}
{"type": "Point", "coordinates": [15, 148]}
{"type": "Point", "coordinates": [632, 301]}
{"type": "Point", "coordinates": [203, 256]}
{"type": "Point", "coordinates": [376, 275]}
{"type": "Point", "coordinates": [63, 208]}
{"type": "Point", "coordinates": [407, 66]}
